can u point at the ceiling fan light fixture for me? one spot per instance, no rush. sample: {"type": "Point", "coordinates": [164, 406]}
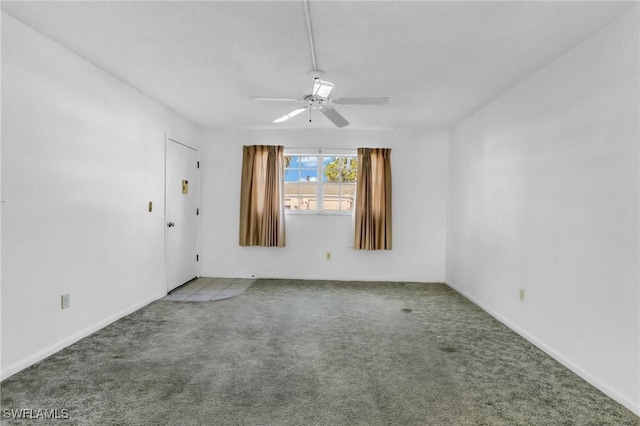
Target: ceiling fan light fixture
{"type": "Point", "coordinates": [288, 116]}
{"type": "Point", "coordinates": [322, 88]}
{"type": "Point", "coordinates": [319, 99]}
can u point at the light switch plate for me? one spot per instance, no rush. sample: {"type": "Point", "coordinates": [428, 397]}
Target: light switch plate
{"type": "Point", "coordinates": [65, 301]}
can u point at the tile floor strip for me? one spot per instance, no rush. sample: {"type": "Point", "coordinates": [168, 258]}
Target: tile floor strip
{"type": "Point", "coordinates": [209, 288]}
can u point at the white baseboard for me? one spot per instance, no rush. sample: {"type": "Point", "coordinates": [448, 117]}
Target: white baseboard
{"type": "Point", "coordinates": [27, 362]}
{"type": "Point", "coordinates": [633, 406]}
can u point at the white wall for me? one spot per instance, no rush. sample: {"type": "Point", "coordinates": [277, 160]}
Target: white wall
{"type": "Point", "coordinates": [82, 155]}
{"type": "Point", "coordinates": [419, 175]}
{"type": "Point", "coordinates": [544, 194]}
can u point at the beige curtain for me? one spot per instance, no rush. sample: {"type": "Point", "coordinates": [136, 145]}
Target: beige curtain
{"type": "Point", "coordinates": [373, 200]}
{"type": "Point", "coordinates": [262, 196]}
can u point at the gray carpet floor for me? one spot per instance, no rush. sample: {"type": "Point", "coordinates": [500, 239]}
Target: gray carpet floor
{"type": "Point", "coordinates": [290, 352]}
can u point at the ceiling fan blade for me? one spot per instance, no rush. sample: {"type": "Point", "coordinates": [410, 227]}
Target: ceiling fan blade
{"type": "Point", "coordinates": [361, 101]}
{"type": "Point", "coordinates": [334, 117]}
{"type": "Point", "coordinates": [261, 98]}
{"type": "Point", "coordinates": [291, 114]}
{"type": "Point", "coordinates": [322, 89]}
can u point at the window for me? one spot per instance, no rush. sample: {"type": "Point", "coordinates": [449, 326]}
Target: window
{"type": "Point", "coordinates": [320, 183]}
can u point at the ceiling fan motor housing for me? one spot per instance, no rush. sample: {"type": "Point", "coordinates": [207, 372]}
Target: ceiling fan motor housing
{"type": "Point", "coordinates": [316, 102]}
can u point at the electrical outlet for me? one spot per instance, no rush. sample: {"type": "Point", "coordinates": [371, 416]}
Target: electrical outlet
{"type": "Point", "coordinates": [522, 294]}
{"type": "Point", "coordinates": [328, 255]}
{"type": "Point", "coordinates": [65, 301]}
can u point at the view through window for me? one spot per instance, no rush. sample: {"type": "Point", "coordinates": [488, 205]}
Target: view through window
{"type": "Point", "coordinates": [320, 183]}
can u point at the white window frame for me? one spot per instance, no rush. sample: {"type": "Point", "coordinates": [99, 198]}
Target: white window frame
{"type": "Point", "coordinates": [320, 153]}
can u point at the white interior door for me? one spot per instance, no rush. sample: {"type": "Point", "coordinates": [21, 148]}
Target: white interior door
{"type": "Point", "coordinates": [181, 209]}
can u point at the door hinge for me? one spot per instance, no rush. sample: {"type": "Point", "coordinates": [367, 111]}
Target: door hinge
{"type": "Point", "coordinates": [198, 164]}
{"type": "Point", "coordinates": [197, 258]}
{"type": "Point", "coordinates": [197, 212]}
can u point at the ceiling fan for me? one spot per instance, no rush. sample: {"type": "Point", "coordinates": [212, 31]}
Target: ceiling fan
{"type": "Point", "coordinates": [320, 99]}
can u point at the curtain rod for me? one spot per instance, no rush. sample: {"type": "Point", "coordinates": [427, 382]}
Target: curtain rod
{"type": "Point", "coordinates": [319, 149]}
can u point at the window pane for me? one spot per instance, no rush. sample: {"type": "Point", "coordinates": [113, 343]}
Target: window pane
{"type": "Point", "coordinates": [291, 171]}
{"type": "Point", "coordinates": [331, 197]}
{"type": "Point", "coordinates": [291, 196]}
{"type": "Point", "coordinates": [308, 203]}
{"type": "Point", "coordinates": [291, 188]}
{"type": "Point", "coordinates": [308, 195]}
{"type": "Point", "coordinates": [350, 169]}
{"type": "Point", "coordinates": [300, 168]}
{"type": "Point", "coordinates": [340, 169]}
{"type": "Point", "coordinates": [308, 188]}
{"type": "Point", "coordinates": [308, 162]}
{"type": "Point", "coordinates": [332, 169]}
{"type": "Point", "coordinates": [291, 175]}
{"type": "Point", "coordinates": [308, 175]}
{"type": "Point", "coordinates": [347, 197]}
{"type": "Point", "coordinates": [328, 175]}
{"type": "Point", "coordinates": [291, 203]}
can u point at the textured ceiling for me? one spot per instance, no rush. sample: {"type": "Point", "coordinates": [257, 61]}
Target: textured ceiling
{"type": "Point", "coordinates": [436, 61]}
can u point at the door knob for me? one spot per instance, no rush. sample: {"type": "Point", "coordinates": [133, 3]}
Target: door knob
{"type": "Point", "coordinates": [170, 224]}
